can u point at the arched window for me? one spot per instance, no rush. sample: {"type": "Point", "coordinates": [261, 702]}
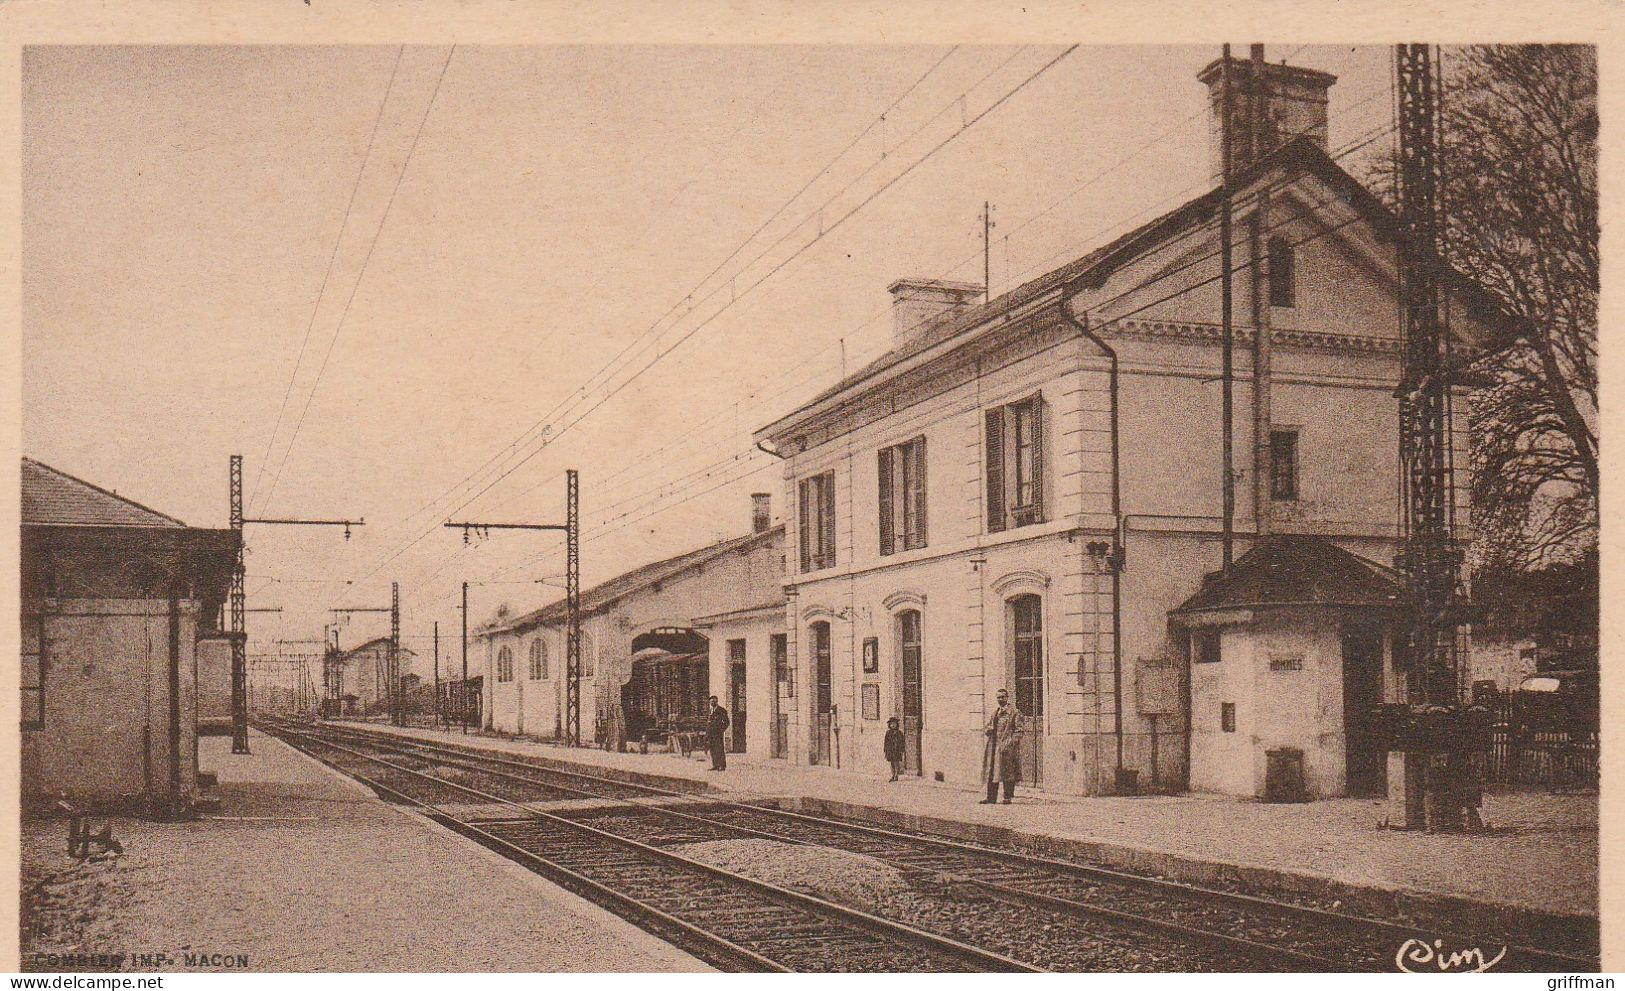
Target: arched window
{"type": "Point", "coordinates": [538, 660]}
{"type": "Point", "coordinates": [505, 664]}
{"type": "Point", "coordinates": [1282, 277]}
{"type": "Point", "coordinates": [1027, 652]}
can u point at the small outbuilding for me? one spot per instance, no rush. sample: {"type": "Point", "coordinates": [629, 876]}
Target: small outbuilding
{"type": "Point", "coordinates": [116, 598]}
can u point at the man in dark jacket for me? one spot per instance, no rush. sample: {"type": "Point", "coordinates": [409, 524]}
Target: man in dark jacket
{"type": "Point", "coordinates": [715, 726]}
{"type": "Point", "coordinates": [894, 746]}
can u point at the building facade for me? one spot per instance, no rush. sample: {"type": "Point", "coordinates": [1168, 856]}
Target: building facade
{"type": "Point", "coordinates": [117, 600]}
{"type": "Point", "coordinates": [719, 604]}
{"type": "Point", "coordinates": [1028, 494]}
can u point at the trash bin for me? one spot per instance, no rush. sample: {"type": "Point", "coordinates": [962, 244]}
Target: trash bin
{"type": "Point", "coordinates": [1283, 776]}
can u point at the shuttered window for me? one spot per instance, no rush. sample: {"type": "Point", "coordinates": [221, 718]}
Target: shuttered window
{"type": "Point", "coordinates": [816, 504]}
{"type": "Point", "coordinates": [538, 660]}
{"type": "Point", "coordinates": [902, 496]}
{"type": "Point", "coordinates": [1015, 464]}
{"type": "Point", "coordinates": [1283, 277]}
{"type": "Point", "coordinates": [33, 671]}
{"type": "Point", "coordinates": [505, 664]}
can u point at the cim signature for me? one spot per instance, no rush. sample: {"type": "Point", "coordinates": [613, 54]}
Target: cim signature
{"type": "Point", "coordinates": [1419, 952]}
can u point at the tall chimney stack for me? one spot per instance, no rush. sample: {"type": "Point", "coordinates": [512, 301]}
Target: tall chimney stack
{"type": "Point", "coordinates": [1287, 102]}
{"type": "Point", "coordinates": [918, 303]}
{"type": "Point", "coordinates": [761, 516]}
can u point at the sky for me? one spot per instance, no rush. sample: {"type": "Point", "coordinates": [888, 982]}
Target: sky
{"type": "Point", "coordinates": [418, 284]}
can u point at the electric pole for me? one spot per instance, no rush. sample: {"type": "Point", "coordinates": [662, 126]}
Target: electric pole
{"type": "Point", "coordinates": [463, 705]}
{"type": "Point", "coordinates": [987, 251]}
{"type": "Point", "coordinates": [572, 532]}
{"type": "Point", "coordinates": [1437, 737]}
{"type": "Point", "coordinates": [439, 710]}
{"type": "Point", "coordinates": [1226, 314]}
{"type": "Point", "coordinates": [238, 600]}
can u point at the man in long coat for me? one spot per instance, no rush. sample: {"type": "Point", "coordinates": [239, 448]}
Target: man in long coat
{"type": "Point", "coordinates": [715, 726]}
{"type": "Point", "coordinates": [1001, 759]}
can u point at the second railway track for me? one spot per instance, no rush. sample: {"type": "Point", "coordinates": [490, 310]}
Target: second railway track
{"type": "Point", "coordinates": [1024, 911]}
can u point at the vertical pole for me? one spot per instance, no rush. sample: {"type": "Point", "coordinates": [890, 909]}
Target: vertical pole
{"type": "Point", "coordinates": [463, 697]}
{"type": "Point", "coordinates": [239, 626]}
{"type": "Point", "coordinates": [987, 264]}
{"type": "Point", "coordinates": [439, 710]}
{"type": "Point", "coordinates": [572, 703]}
{"type": "Point", "coordinates": [1226, 306]}
{"type": "Point", "coordinates": [397, 710]}
{"type": "Point", "coordinates": [175, 805]}
{"type": "Point", "coordinates": [1263, 518]}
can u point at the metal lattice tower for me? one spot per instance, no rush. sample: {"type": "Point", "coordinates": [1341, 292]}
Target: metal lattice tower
{"type": "Point", "coordinates": [572, 594]}
{"type": "Point", "coordinates": [239, 619]}
{"type": "Point", "coordinates": [1430, 558]}
{"type": "Point", "coordinates": [397, 708]}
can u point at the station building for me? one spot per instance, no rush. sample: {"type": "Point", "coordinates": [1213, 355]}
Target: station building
{"type": "Point", "coordinates": [1026, 493]}
{"type": "Point", "coordinates": [656, 642]}
{"type": "Point", "coordinates": [119, 602]}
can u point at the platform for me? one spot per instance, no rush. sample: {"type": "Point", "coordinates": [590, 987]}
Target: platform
{"type": "Point", "coordinates": [302, 869]}
{"type": "Point", "coordinates": [1538, 861]}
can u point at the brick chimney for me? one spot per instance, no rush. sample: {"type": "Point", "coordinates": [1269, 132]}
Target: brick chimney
{"type": "Point", "coordinates": [1291, 102]}
{"type": "Point", "coordinates": [917, 303]}
{"type": "Point", "coordinates": [761, 516]}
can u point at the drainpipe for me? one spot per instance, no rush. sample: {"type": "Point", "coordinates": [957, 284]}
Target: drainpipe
{"type": "Point", "coordinates": [1115, 561]}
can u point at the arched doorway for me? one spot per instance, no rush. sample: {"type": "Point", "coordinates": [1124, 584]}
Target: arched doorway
{"type": "Point", "coordinates": [1025, 620]}
{"type": "Point", "coordinates": [668, 685]}
{"type": "Point", "coordinates": [910, 687]}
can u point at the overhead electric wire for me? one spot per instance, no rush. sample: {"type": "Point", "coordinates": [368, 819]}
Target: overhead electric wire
{"type": "Point", "coordinates": [563, 403]}
{"type": "Point", "coordinates": [332, 257]}
{"type": "Point", "coordinates": [360, 275]}
{"type": "Point", "coordinates": [826, 230]}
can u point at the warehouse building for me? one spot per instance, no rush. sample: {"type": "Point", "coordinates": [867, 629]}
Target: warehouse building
{"type": "Point", "coordinates": [118, 602]}
{"type": "Point", "coordinates": [656, 641]}
{"type": "Point", "coordinates": [1026, 494]}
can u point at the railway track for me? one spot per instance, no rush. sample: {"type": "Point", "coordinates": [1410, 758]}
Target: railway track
{"type": "Point", "coordinates": [1028, 907]}
{"type": "Point", "coordinates": [727, 919]}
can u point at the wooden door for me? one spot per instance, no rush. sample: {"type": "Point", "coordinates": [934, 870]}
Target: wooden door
{"type": "Point", "coordinates": [1027, 653]}
{"type": "Point", "coordinates": [1364, 754]}
{"type": "Point", "coordinates": [822, 697]}
{"type": "Point", "coordinates": [912, 697]}
{"type": "Point", "coordinates": [736, 692]}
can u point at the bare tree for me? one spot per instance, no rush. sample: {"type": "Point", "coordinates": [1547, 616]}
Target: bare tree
{"type": "Point", "coordinates": [1520, 189]}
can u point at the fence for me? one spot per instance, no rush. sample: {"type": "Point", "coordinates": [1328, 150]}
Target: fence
{"type": "Point", "coordinates": [1526, 754]}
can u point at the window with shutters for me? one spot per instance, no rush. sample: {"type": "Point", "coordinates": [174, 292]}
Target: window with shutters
{"type": "Point", "coordinates": [902, 496]}
{"type": "Point", "coordinates": [538, 660]}
{"type": "Point", "coordinates": [33, 671]}
{"type": "Point", "coordinates": [1283, 465]}
{"type": "Point", "coordinates": [816, 499]}
{"type": "Point", "coordinates": [1283, 280]}
{"type": "Point", "coordinates": [505, 664]}
{"type": "Point", "coordinates": [1015, 464]}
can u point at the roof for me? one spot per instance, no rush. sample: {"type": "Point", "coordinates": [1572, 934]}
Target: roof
{"type": "Point", "coordinates": [377, 642]}
{"type": "Point", "coordinates": [1293, 570]}
{"type": "Point", "coordinates": [55, 498]}
{"type": "Point", "coordinates": [1301, 155]}
{"type": "Point", "coordinates": [624, 584]}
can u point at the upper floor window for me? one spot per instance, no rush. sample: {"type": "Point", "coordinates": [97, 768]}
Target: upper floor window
{"type": "Point", "coordinates": [1284, 465]}
{"type": "Point", "coordinates": [538, 660]}
{"type": "Point", "coordinates": [1205, 647]}
{"type": "Point", "coordinates": [816, 498]}
{"type": "Point", "coordinates": [505, 664]}
{"type": "Point", "coordinates": [1015, 464]}
{"type": "Point", "coordinates": [1283, 278]}
{"type": "Point", "coordinates": [902, 496]}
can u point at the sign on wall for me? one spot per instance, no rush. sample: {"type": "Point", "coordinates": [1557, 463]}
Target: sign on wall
{"type": "Point", "coordinates": [871, 701]}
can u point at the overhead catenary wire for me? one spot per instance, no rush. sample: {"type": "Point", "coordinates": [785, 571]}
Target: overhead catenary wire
{"type": "Point", "coordinates": [525, 435]}
{"type": "Point", "coordinates": [327, 274]}
{"type": "Point", "coordinates": [825, 230]}
{"type": "Point", "coordinates": [360, 276]}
